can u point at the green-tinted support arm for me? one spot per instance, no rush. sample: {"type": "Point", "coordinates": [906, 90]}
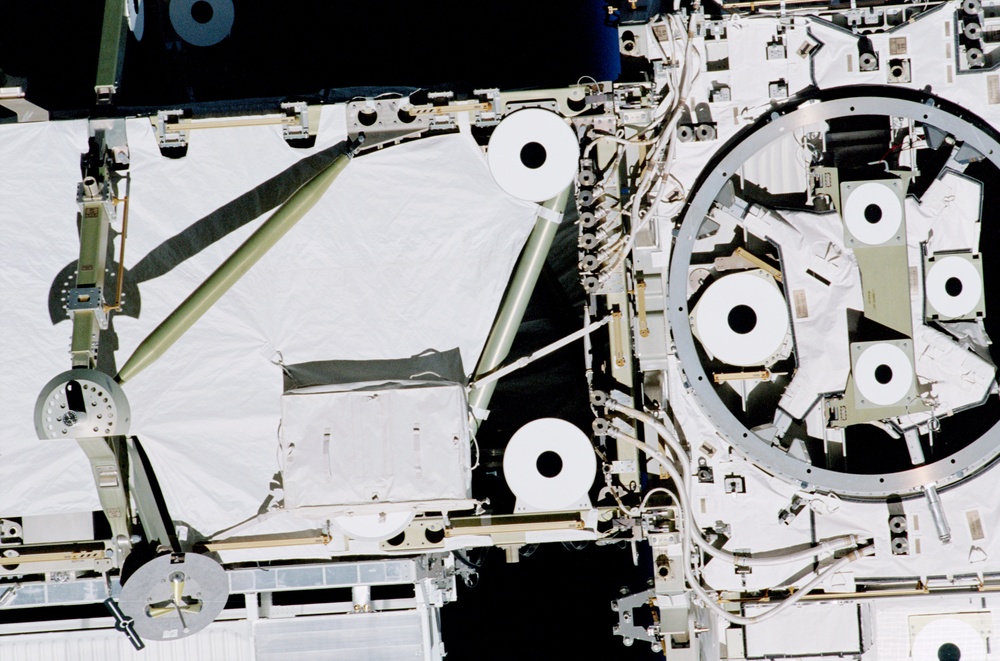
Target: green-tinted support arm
{"type": "Point", "coordinates": [515, 303]}
{"type": "Point", "coordinates": [149, 502]}
{"type": "Point", "coordinates": [112, 55]}
{"type": "Point", "coordinates": [232, 269]}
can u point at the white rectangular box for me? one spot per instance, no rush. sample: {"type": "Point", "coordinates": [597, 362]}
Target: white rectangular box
{"type": "Point", "coordinates": [366, 445]}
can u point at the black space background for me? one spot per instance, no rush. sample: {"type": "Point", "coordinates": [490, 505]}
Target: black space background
{"type": "Point", "coordinates": [555, 603]}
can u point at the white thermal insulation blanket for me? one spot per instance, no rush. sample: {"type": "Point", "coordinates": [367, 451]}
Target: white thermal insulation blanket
{"type": "Point", "coordinates": [411, 249]}
{"type": "Point", "coordinates": [390, 443]}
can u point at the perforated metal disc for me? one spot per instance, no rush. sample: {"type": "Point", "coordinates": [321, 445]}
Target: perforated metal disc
{"type": "Point", "coordinates": [147, 596]}
{"type": "Point", "coordinates": [81, 403]}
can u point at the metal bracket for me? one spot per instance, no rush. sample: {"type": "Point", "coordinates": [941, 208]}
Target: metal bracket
{"type": "Point", "coordinates": [12, 98]}
{"type": "Point", "coordinates": [90, 299]}
{"type": "Point", "coordinates": [165, 137]}
{"type": "Point", "coordinates": [421, 534]}
{"type": "Point", "coordinates": [306, 122]}
{"type": "Point", "coordinates": [627, 628]}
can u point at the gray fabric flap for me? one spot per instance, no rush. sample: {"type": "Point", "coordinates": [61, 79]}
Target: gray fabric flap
{"type": "Point", "coordinates": [444, 366]}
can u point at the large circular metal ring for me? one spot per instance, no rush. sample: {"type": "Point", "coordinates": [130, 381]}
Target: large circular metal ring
{"type": "Point", "coordinates": [798, 113]}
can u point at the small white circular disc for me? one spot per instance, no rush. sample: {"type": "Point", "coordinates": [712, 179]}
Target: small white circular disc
{"type": "Point", "coordinates": [533, 154]}
{"type": "Point", "coordinates": [573, 470]}
{"type": "Point", "coordinates": [873, 213]}
{"type": "Point", "coordinates": [742, 319]}
{"type": "Point", "coordinates": [186, 17]}
{"type": "Point", "coordinates": [373, 527]}
{"type": "Point", "coordinates": [883, 374]}
{"type": "Point", "coordinates": [948, 633]}
{"type": "Point", "coordinates": [953, 286]}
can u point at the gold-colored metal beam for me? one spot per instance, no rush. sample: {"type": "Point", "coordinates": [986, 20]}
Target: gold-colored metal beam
{"type": "Point", "coordinates": [758, 262]}
{"type": "Point", "coordinates": [721, 377]}
{"type": "Point", "coordinates": [266, 542]}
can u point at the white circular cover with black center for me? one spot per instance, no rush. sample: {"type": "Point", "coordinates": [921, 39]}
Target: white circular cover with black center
{"type": "Point", "coordinates": [883, 374]}
{"type": "Point", "coordinates": [949, 639]}
{"type": "Point", "coordinates": [175, 595]}
{"type": "Point", "coordinates": [202, 22]}
{"type": "Point", "coordinates": [873, 213]}
{"type": "Point", "coordinates": [549, 464]}
{"type": "Point", "coordinates": [953, 286]}
{"type": "Point", "coordinates": [81, 403]}
{"type": "Point", "coordinates": [741, 319]}
{"type": "Point", "coordinates": [533, 154]}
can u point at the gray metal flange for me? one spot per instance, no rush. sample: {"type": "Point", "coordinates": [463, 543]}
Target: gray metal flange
{"type": "Point", "coordinates": [830, 104]}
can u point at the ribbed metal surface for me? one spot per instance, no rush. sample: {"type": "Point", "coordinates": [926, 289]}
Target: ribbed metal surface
{"type": "Point", "coordinates": [388, 636]}
{"type": "Point", "coordinates": [299, 577]}
{"type": "Point", "coordinates": [222, 641]}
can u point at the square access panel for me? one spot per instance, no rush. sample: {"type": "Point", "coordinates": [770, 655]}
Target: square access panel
{"type": "Point", "coordinates": [953, 286]}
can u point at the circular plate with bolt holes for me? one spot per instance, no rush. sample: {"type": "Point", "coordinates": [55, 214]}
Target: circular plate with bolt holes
{"type": "Point", "coordinates": [81, 403]}
{"type": "Point", "coordinates": [175, 595]}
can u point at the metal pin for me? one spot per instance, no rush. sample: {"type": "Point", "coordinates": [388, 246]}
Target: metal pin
{"type": "Point", "coordinates": [937, 513]}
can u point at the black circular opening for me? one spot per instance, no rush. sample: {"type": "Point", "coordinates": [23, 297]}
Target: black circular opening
{"type": "Point", "coordinates": [202, 12]}
{"type": "Point", "coordinates": [953, 286]}
{"type": "Point", "coordinates": [397, 540]}
{"type": "Point", "coordinates": [367, 116]}
{"type": "Point", "coordinates": [433, 536]}
{"type": "Point", "coordinates": [883, 374]}
{"type": "Point", "coordinates": [549, 464]}
{"type": "Point", "coordinates": [949, 652]}
{"type": "Point", "coordinates": [742, 319]}
{"type": "Point", "coordinates": [533, 155]}
{"type": "Point", "coordinates": [897, 72]}
{"type": "Point", "coordinates": [873, 213]}
{"type": "Point", "coordinates": [404, 116]}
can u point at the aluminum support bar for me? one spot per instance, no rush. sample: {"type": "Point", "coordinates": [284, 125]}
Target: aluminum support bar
{"type": "Point", "coordinates": [515, 303]}
{"type": "Point", "coordinates": [231, 270]}
{"type": "Point", "coordinates": [95, 220]}
{"type": "Point", "coordinates": [111, 487]}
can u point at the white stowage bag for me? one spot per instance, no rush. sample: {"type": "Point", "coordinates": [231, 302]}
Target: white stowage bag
{"type": "Point", "coordinates": [411, 249]}
{"type": "Point", "coordinates": [358, 449]}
